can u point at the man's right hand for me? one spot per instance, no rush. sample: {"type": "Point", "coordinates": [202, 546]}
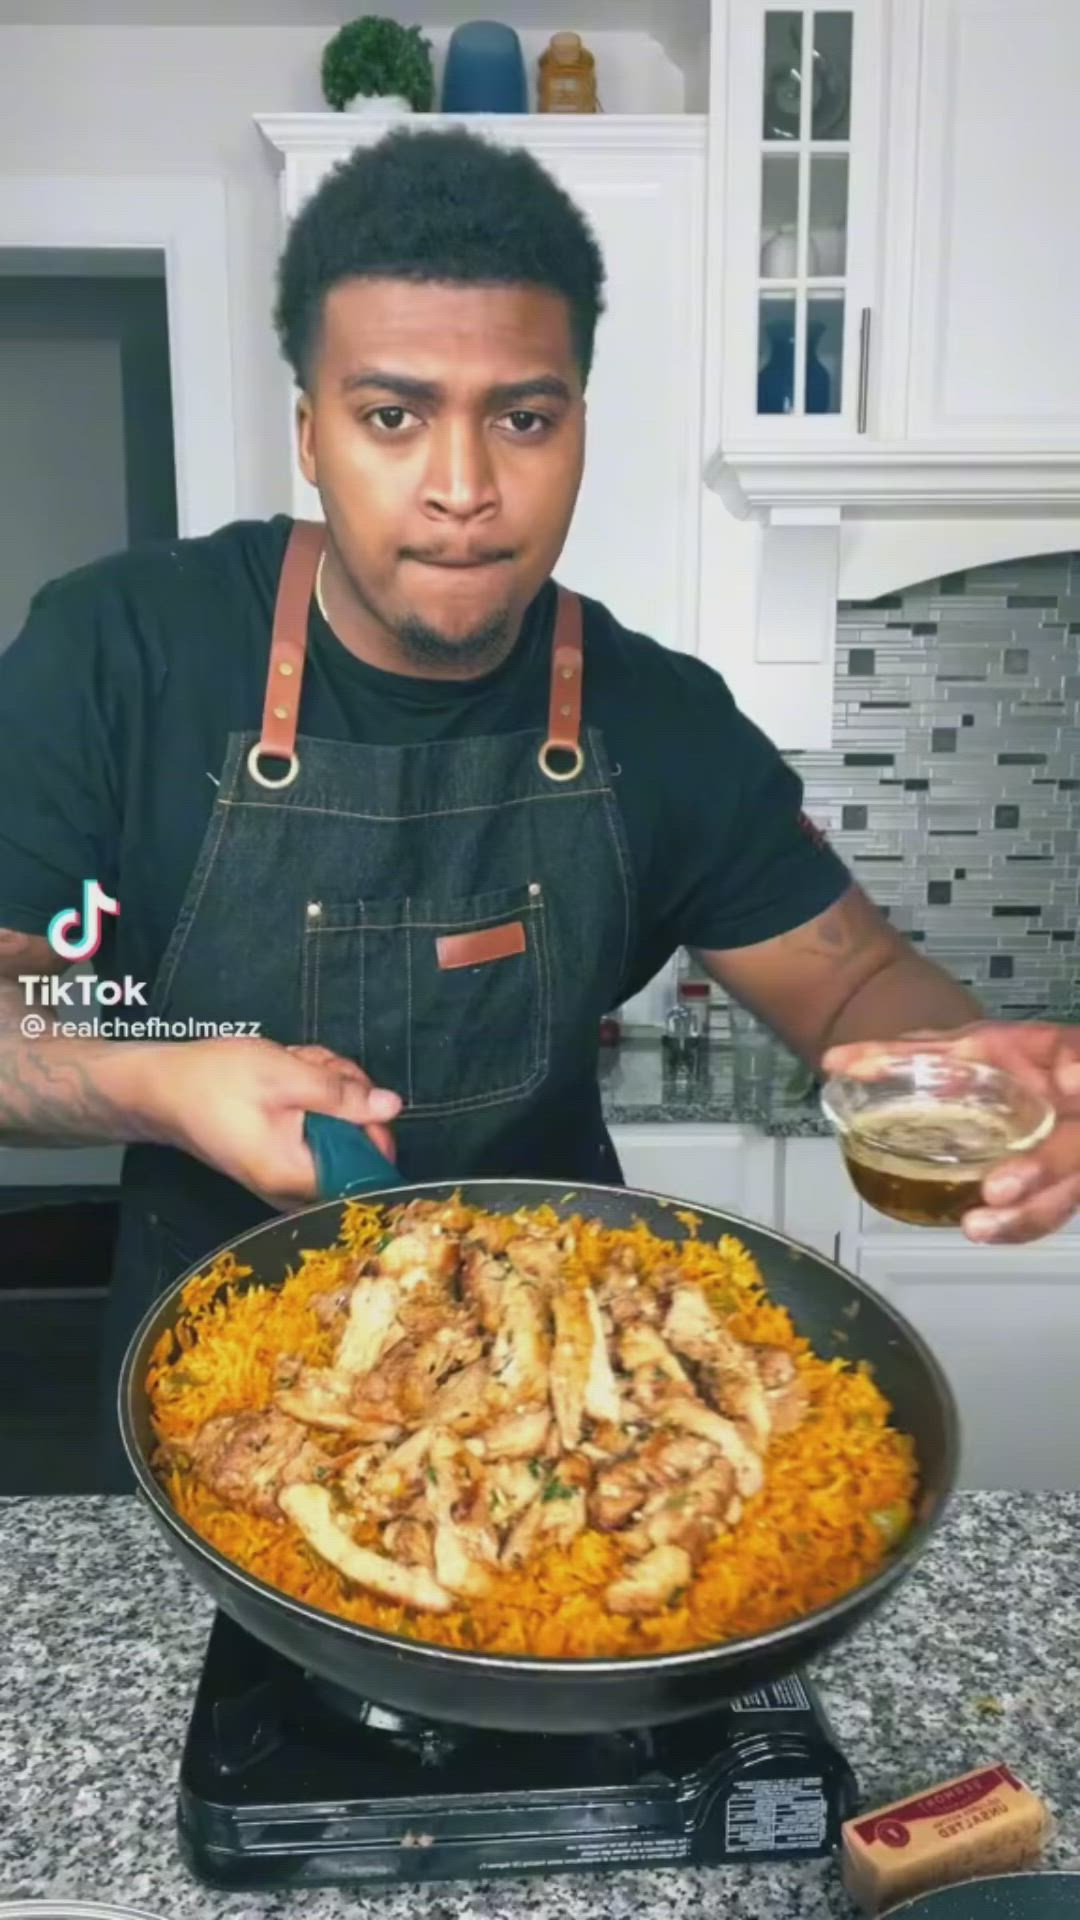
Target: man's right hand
{"type": "Point", "coordinates": [239, 1105]}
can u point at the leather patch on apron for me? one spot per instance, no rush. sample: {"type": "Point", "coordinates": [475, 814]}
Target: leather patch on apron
{"type": "Point", "coordinates": [476, 949]}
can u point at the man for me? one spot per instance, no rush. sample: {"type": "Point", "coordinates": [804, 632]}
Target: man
{"type": "Point", "coordinates": [460, 835]}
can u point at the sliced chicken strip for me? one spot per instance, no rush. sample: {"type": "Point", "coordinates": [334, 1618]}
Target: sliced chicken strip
{"type": "Point", "coordinates": [662, 1462]}
{"type": "Point", "coordinates": [452, 1347]}
{"type": "Point", "coordinates": [509, 1487]}
{"type": "Point", "coordinates": [651, 1583]}
{"type": "Point", "coordinates": [461, 1402]}
{"type": "Point", "coordinates": [626, 1298]}
{"type": "Point", "coordinates": [429, 1307]}
{"type": "Point", "coordinates": [690, 1416]}
{"type": "Point", "coordinates": [491, 1234]}
{"type": "Point", "coordinates": [311, 1510]}
{"type": "Point", "coordinates": [518, 1436]}
{"type": "Point", "coordinates": [406, 1383]}
{"type": "Point", "coordinates": [424, 1254]}
{"type": "Point", "coordinates": [726, 1367]}
{"type": "Point", "coordinates": [319, 1397]}
{"type": "Point", "coordinates": [651, 1389]}
{"type": "Point", "coordinates": [521, 1351]}
{"type": "Point", "coordinates": [730, 1379]}
{"type": "Point", "coordinates": [246, 1458]}
{"type": "Point", "coordinates": [571, 1359]}
{"type": "Point", "coordinates": [409, 1541]}
{"type": "Point", "coordinates": [556, 1517]}
{"type": "Point", "coordinates": [785, 1389]}
{"type": "Point", "coordinates": [564, 1518]}
{"type": "Point", "coordinates": [352, 1470]}
{"type": "Point", "coordinates": [616, 1438]}
{"type": "Point", "coordinates": [399, 1478]}
{"type": "Point", "coordinates": [524, 1537]}
{"type": "Point", "coordinates": [690, 1322]}
{"type": "Point", "coordinates": [601, 1390]}
{"type": "Point", "coordinates": [464, 1559]}
{"type": "Point", "coordinates": [582, 1379]}
{"type": "Point", "coordinates": [330, 1308]}
{"type": "Point", "coordinates": [373, 1306]}
{"type": "Point", "coordinates": [466, 1546]}
{"type": "Point", "coordinates": [643, 1346]}
{"type": "Point", "coordinates": [687, 1515]}
{"type": "Point", "coordinates": [454, 1478]}
{"type": "Point", "coordinates": [482, 1280]}
{"type": "Point", "coordinates": [536, 1257]}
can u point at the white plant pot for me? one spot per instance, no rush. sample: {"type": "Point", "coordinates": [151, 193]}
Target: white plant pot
{"type": "Point", "coordinates": [379, 103]}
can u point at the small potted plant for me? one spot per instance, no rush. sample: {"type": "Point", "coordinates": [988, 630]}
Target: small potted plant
{"type": "Point", "coordinates": [374, 65]}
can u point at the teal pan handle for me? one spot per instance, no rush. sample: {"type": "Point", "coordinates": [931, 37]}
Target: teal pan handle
{"type": "Point", "coordinates": [346, 1161]}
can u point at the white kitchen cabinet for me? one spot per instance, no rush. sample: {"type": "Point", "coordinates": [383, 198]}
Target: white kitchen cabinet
{"type": "Point", "coordinates": [641, 182]}
{"type": "Point", "coordinates": [1004, 1322]}
{"type": "Point", "coordinates": [996, 267]}
{"type": "Point", "coordinates": [817, 1202]}
{"type": "Point", "coordinates": [728, 1167]}
{"type": "Point", "coordinates": [951, 435]}
{"type": "Point", "coordinates": [802, 238]}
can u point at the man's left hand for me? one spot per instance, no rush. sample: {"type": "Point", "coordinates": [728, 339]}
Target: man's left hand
{"type": "Point", "coordinates": [1037, 1192]}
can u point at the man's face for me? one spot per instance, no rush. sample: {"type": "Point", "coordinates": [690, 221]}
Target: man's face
{"type": "Point", "coordinates": [444, 428]}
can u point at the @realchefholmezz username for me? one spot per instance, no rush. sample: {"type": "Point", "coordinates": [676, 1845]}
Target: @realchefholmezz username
{"type": "Point", "coordinates": [74, 933]}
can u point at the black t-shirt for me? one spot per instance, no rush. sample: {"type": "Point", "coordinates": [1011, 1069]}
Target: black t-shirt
{"type": "Point", "coordinates": [118, 695]}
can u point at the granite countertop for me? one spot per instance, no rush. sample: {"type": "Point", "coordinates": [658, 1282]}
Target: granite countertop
{"type": "Point", "coordinates": [636, 1086]}
{"type": "Point", "coordinates": [103, 1636]}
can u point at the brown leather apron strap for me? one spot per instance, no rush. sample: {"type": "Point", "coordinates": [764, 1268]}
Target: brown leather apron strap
{"type": "Point", "coordinates": [288, 648]}
{"type": "Point", "coordinates": [561, 756]}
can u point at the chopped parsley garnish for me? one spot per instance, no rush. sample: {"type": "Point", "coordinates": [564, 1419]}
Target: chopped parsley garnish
{"type": "Point", "coordinates": [557, 1490]}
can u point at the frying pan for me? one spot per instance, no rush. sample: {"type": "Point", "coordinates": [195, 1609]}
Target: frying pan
{"type": "Point", "coordinates": [1008, 1896]}
{"type": "Point", "coordinates": [836, 1312]}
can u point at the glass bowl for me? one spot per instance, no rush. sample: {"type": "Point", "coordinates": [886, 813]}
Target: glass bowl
{"type": "Point", "coordinates": [920, 1135]}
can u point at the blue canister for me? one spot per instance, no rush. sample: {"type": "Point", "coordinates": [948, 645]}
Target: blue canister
{"type": "Point", "coordinates": [485, 71]}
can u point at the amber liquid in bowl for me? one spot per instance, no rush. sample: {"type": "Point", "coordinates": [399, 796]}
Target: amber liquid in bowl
{"type": "Point", "coordinates": [925, 1165]}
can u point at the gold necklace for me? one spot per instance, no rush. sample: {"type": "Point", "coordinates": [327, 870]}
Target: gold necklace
{"type": "Point", "coordinates": [319, 601]}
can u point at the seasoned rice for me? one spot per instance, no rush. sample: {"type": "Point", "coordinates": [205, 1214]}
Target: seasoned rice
{"type": "Point", "coordinates": [839, 1490]}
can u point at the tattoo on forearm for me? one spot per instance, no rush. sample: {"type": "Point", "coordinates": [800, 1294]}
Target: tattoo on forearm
{"type": "Point", "coordinates": [845, 931]}
{"type": "Point", "coordinates": [49, 1088]}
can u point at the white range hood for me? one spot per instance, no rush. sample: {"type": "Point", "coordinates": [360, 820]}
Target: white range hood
{"type": "Point", "coordinates": [892, 387]}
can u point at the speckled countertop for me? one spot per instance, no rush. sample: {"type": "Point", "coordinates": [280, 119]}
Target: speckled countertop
{"type": "Point", "coordinates": [103, 1635]}
{"type": "Point", "coordinates": [637, 1087]}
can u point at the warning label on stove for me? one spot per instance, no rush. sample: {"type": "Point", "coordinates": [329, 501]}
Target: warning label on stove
{"type": "Point", "coordinates": [776, 1816]}
{"type": "Point", "coordinates": [780, 1696]}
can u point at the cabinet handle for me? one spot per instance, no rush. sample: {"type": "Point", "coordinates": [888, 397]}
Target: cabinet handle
{"type": "Point", "coordinates": [864, 369]}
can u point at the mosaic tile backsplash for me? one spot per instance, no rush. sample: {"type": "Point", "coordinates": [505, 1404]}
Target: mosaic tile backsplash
{"type": "Point", "coordinates": [953, 790]}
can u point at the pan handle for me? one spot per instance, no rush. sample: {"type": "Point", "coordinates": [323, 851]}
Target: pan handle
{"type": "Point", "coordinates": [346, 1162]}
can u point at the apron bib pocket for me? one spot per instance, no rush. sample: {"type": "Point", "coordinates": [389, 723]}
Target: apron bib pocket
{"type": "Point", "coordinates": [448, 1002]}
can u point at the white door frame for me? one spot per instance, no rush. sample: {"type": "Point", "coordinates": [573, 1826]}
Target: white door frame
{"type": "Point", "coordinates": [184, 218]}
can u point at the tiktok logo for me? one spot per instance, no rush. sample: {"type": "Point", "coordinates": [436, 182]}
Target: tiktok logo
{"type": "Point", "coordinates": [61, 933]}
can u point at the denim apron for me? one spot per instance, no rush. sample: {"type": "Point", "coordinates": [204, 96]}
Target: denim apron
{"type": "Point", "coordinates": [456, 916]}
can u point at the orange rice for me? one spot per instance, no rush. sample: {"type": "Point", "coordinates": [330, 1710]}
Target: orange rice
{"type": "Point", "coordinates": [839, 1491]}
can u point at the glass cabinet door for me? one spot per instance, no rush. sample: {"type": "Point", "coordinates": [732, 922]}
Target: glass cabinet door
{"type": "Point", "coordinates": [805, 157]}
{"type": "Point", "coordinates": [802, 187]}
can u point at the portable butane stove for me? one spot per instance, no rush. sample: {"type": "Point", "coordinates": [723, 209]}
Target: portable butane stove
{"type": "Point", "coordinates": [286, 1781]}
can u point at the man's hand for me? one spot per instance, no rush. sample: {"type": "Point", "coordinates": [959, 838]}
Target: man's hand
{"type": "Point", "coordinates": [240, 1105]}
{"type": "Point", "coordinates": [1037, 1192]}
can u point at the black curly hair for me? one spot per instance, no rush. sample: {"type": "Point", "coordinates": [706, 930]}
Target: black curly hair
{"type": "Point", "coordinates": [437, 206]}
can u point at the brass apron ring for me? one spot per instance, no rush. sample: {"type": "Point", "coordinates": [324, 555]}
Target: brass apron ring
{"type": "Point", "coordinates": [561, 746]}
{"type": "Point", "coordinates": [264, 779]}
